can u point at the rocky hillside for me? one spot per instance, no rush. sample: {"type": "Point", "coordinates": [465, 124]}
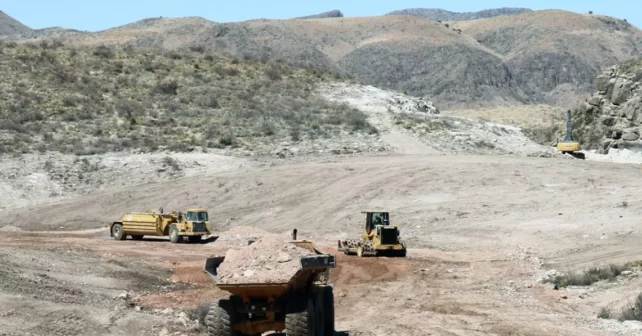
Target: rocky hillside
{"type": "Point", "coordinates": [107, 99]}
{"type": "Point", "coordinates": [534, 57]}
{"type": "Point", "coordinates": [11, 26]}
{"type": "Point", "coordinates": [555, 55]}
{"type": "Point", "coordinates": [410, 54]}
{"type": "Point", "coordinates": [331, 14]}
{"type": "Point", "coordinates": [444, 15]}
{"type": "Point", "coordinates": [612, 117]}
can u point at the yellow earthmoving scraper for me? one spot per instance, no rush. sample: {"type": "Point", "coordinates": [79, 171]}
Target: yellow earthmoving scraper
{"type": "Point", "coordinates": [568, 145]}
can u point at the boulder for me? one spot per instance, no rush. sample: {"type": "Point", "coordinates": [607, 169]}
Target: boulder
{"type": "Point", "coordinates": [595, 100]}
{"type": "Point", "coordinates": [621, 91]}
{"type": "Point", "coordinates": [602, 83]}
{"type": "Point", "coordinates": [630, 136]}
{"type": "Point", "coordinates": [634, 145]}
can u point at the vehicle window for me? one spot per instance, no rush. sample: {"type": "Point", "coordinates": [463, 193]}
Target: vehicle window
{"type": "Point", "coordinates": [202, 216]}
{"type": "Point", "coordinates": [191, 216]}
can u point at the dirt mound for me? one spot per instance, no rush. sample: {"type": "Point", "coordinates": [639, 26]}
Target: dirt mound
{"type": "Point", "coordinates": [271, 259]}
{"type": "Point", "coordinates": [352, 270]}
{"type": "Point", "coordinates": [191, 272]}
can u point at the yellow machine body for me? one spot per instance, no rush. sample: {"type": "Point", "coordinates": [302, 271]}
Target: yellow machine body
{"type": "Point", "coordinates": [191, 223]}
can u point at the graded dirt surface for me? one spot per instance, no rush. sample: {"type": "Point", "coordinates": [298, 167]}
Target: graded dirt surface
{"type": "Point", "coordinates": [481, 230]}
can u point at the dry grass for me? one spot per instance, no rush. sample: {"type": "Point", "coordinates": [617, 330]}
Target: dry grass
{"type": "Point", "coordinates": [102, 99]}
{"type": "Point", "coordinates": [590, 275]}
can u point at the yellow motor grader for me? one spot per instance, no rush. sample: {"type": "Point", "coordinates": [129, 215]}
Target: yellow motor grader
{"type": "Point", "coordinates": [379, 238]}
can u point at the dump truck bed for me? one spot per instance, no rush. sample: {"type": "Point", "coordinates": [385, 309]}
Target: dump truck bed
{"type": "Point", "coordinates": [310, 266]}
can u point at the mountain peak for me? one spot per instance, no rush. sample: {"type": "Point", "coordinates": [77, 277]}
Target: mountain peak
{"type": "Point", "coordinates": [11, 26]}
{"type": "Point", "coordinates": [331, 14]}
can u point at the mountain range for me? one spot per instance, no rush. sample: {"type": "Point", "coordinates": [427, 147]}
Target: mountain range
{"type": "Point", "coordinates": [494, 57]}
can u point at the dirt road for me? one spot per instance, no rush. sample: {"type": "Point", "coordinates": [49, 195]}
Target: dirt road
{"type": "Point", "coordinates": [481, 231]}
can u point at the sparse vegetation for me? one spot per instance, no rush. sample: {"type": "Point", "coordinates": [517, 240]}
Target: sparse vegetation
{"type": "Point", "coordinates": [103, 99]}
{"type": "Point", "coordinates": [590, 275]}
{"type": "Point", "coordinates": [633, 312]}
{"type": "Point", "coordinates": [605, 313]}
{"type": "Point", "coordinates": [171, 162]}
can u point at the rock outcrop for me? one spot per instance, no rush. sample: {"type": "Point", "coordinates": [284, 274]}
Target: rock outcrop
{"type": "Point", "coordinates": [612, 117]}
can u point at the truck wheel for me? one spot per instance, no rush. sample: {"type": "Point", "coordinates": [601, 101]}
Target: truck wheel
{"type": "Point", "coordinates": [194, 239]}
{"type": "Point", "coordinates": [118, 232]}
{"type": "Point", "coordinates": [137, 237]}
{"type": "Point", "coordinates": [220, 319]}
{"type": "Point", "coordinates": [173, 234]}
{"type": "Point", "coordinates": [328, 311]}
{"type": "Point", "coordinates": [300, 321]}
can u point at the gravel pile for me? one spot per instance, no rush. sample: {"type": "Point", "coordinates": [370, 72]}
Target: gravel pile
{"type": "Point", "coordinates": [271, 259]}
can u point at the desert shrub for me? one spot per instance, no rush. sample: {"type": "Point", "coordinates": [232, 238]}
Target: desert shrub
{"type": "Point", "coordinates": [197, 48]}
{"type": "Point", "coordinates": [104, 52]}
{"type": "Point", "coordinates": [171, 162]}
{"type": "Point", "coordinates": [63, 76]}
{"type": "Point", "coordinates": [273, 73]}
{"type": "Point", "coordinates": [226, 140]}
{"type": "Point", "coordinates": [605, 313]}
{"type": "Point", "coordinates": [634, 311]}
{"type": "Point", "coordinates": [168, 88]}
{"type": "Point", "coordinates": [590, 276]}
{"type": "Point", "coordinates": [226, 71]}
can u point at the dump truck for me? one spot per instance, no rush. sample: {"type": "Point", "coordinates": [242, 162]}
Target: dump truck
{"type": "Point", "coordinates": [297, 302]}
{"type": "Point", "coordinates": [379, 238]}
{"type": "Point", "coordinates": [193, 224]}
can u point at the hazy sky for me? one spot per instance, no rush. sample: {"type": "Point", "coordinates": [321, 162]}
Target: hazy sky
{"type": "Point", "coordinates": [94, 15]}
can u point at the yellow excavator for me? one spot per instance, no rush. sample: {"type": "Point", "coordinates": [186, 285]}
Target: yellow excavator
{"type": "Point", "coordinates": [568, 145]}
{"type": "Point", "coordinates": [379, 238]}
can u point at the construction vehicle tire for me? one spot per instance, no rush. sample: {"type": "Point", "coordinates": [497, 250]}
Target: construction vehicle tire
{"type": "Point", "coordinates": [220, 319]}
{"type": "Point", "coordinates": [118, 232]}
{"type": "Point", "coordinates": [137, 237]}
{"type": "Point", "coordinates": [173, 234]}
{"type": "Point", "coordinates": [194, 239]}
{"type": "Point", "coordinates": [300, 319]}
{"type": "Point", "coordinates": [328, 311]}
